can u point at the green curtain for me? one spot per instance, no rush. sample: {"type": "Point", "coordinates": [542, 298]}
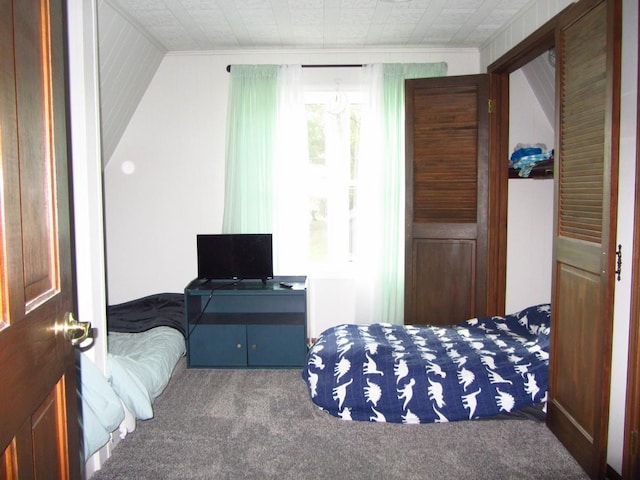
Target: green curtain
{"type": "Point", "coordinates": [250, 143]}
{"type": "Point", "coordinates": [393, 214]}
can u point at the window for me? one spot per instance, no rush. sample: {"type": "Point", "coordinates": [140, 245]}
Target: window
{"type": "Point", "coordinates": [333, 123]}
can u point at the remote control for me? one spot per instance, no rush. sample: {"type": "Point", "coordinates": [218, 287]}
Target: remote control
{"type": "Point", "coordinates": [286, 285]}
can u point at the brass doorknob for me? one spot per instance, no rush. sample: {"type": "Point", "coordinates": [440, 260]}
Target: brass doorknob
{"type": "Point", "coordinates": [74, 331]}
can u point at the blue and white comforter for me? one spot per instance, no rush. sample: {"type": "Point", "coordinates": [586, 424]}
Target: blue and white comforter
{"type": "Point", "coordinates": [424, 374]}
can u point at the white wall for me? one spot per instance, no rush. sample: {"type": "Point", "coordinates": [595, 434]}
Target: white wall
{"type": "Point", "coordinates": [176, 141]}
{"type": "Point", "coordinates": [529, 243]}
{"type": "Point", "coordinates": [530, 205]}
{"type": "Point", "coordinates": [626, 197]}
{"type": "Point", "coordinates": [175, 144]}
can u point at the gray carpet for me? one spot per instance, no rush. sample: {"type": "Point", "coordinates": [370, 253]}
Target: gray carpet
{"type": "Point", "coordinates": [260, 424]}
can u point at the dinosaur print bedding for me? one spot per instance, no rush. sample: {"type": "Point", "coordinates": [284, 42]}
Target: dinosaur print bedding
{"type": "Point", "coordinates": [426, 374]}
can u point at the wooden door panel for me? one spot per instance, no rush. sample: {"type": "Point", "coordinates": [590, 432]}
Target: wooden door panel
{"type": "Point", "coordinates": [579, 362]}
{"type": "Point", "coordinates": [39, 431]}
{"type": "Point", "coordinates": [574, 395]}
{"type": "Point", "coordinates": [588, 93]}
{"type": "Point", "coordinates": [431, 259]}
{"type": "Point", "coordinates": [447, 184]}
{"type": "Point", "coordinates": [34, 127]}
{"type": "Point", "coordinates": [44, 436]}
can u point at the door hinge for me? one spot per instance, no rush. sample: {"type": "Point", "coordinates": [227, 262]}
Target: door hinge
{"type": "Point", "coordinates": [492, 105]}
{"type": "Point", "coordinates": [618, 262]}
{"type": "Point", "coordinates": [634, 442]}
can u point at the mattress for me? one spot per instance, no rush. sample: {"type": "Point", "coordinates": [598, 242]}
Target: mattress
{"type": "Point", "coordinates": [427, 374]}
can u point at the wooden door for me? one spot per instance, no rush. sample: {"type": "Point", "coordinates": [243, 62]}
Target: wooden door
{"type": "Point", "coordinates": [39, 433]}
{"type": "Point", "coordinates": [447, 199]}
{"type": "Point", "coordinates": [588, 70]}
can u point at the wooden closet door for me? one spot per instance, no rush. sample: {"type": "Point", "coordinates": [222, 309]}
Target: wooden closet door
{"type": "Point", "coordinates": [588, 66]}
{"type": "Point", "coordinates": [447, 185]}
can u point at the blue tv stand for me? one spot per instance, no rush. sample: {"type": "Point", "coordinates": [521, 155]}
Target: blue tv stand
{"type": "Point", "coordinates": [248, 324]}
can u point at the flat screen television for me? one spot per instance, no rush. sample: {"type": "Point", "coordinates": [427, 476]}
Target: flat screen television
{"type": "Point", "coordinates": [237, 256]}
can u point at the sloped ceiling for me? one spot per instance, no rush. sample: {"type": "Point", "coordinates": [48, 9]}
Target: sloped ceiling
{"type": "Point", "coordinates": [541, 75]}
{"type": "Point", "coordinates": [129, 59]}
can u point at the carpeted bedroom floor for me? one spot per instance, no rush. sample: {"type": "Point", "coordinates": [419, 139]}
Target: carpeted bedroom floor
{"type": "Point", "coordinates": [261, 424]}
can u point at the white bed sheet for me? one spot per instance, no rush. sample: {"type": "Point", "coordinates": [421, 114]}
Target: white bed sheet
{"type": "Point", "coordinates": [140, 365]}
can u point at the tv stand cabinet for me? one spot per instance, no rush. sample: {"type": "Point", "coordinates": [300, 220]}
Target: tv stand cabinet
{"type": "Point", "coordinates": [247, 323]}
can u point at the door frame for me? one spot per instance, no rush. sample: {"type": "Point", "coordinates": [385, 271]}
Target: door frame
{"type": "Point", "coordinates": [630, 457]}
{"type": "Point", "coordinates": [540, 41]}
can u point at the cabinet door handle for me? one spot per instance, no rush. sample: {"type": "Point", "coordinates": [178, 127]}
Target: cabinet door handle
{"type": "Point", "coordinates": [253, 347]}
{"type": "Point", "coordinates": [239, 346]}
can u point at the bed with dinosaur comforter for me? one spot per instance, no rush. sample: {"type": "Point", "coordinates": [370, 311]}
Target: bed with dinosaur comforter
{"type": "Point", "coordinates": [482, 367]}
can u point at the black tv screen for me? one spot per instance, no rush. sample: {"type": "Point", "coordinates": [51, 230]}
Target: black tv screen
{"type": "Point", "coordinates": [235, 256]}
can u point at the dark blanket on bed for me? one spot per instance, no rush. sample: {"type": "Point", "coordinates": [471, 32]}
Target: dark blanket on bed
{"type": "Point", "coordinates": [142, 314]}
{"type": "Point", "coordinates": [422, 374]}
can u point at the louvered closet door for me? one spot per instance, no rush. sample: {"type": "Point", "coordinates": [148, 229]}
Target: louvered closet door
{"type": "Point", "coordinates": [446, 199]}
{"type": "Point", "coordinates": [587, 44]}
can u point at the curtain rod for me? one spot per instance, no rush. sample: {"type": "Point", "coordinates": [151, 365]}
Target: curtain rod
{"type": "Point", "coordinates": [353, 65]}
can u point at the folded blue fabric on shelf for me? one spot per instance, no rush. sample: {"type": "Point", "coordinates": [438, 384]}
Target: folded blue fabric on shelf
{"type": "Point", "coordinates": [526, 156]}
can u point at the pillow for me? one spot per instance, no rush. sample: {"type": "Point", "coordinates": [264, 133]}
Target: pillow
{"type": "Point", "coordinates": [537, 319]}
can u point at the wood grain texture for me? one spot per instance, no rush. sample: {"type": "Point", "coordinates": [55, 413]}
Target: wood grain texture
{"type": "Point", "coordinates": [588, 95]}
{"type": "Point", "coordinates": [447, 185]}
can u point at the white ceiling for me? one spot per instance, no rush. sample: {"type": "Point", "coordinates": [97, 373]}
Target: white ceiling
{"type": "Point", "coordinates": [249, 24]}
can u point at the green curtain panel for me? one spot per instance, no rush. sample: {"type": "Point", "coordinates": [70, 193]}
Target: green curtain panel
{"type": "Point", "coordinates": [250, 142]}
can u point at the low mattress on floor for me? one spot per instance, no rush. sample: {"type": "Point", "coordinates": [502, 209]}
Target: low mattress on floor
{"type": "Point", "coordinates": [145, 341]}
{"type": "Point", "coordinates": [478, 368]}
